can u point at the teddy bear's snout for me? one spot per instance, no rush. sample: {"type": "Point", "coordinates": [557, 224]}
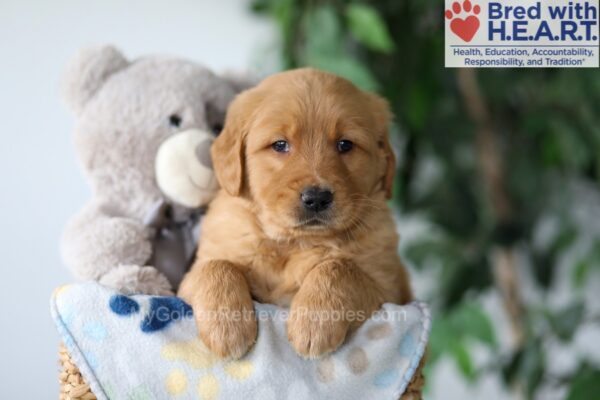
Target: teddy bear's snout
{"type": "Point", "coordinates": [183, 168]}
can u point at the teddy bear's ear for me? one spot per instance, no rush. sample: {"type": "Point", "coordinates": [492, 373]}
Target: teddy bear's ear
{"type": "Point", "coordinates": [88, 71]}
{"type": "Point", "coordinates": [239, 81]}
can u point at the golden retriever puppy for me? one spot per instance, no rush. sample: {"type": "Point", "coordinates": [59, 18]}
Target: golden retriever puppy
{"type": "Point", "coordinates": [305, 168]}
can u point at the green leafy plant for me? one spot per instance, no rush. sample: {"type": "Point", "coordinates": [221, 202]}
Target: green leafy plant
{"type": "Point", "coordinates": [486, 157]}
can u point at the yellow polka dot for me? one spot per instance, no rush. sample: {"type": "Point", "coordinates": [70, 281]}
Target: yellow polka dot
{"type": "Point", "coordinates": [239, 369]}
{"type": "Point", "coordinates": [176, 382]}
{"type": "Point", "coordinates": [380, 331]}
{"type": "Point", "coordinates": [208, 387]}
{"type": "Point", "coordinates": [60, 290]}
{"type": "Point", "coordinates": [193, 353]}
{"type": "Point", "coordinates": [357, 360]}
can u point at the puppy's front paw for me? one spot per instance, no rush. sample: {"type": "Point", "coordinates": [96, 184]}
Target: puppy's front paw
{"type": "Point", "coordinates": [227, 332]}
{"type": "Point", "coordinates": [313, 332]}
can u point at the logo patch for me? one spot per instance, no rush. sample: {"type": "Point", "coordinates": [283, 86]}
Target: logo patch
{"type": "Point", "coordinates": [521, 33]}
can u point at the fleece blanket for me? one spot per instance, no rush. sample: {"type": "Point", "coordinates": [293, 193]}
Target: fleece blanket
{"type": "Point", "coordinates": [146, 347]}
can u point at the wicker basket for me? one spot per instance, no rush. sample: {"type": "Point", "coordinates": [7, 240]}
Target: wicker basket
{"type": "Point", "coordinates": [73, 386]}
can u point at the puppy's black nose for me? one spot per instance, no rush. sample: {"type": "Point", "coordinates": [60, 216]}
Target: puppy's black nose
{"type": "Point", "coordinates": [316, 199]}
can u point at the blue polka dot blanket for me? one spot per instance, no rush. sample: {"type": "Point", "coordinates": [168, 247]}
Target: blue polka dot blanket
{"type": "Point", "coordinates": [147, 347]}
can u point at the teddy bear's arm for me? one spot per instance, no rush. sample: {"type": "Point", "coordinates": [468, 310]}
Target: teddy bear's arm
{"type": "Point", "coordinates": [112, 250]}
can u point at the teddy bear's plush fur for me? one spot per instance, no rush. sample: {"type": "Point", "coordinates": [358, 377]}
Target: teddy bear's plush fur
{"type": "Point", "coordinates": [144, 207]}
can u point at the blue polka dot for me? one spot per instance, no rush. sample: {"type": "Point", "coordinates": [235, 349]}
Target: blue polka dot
{"type": "Point", "coordinates": [386, 378]}
{"type": "Point", "coordinates": [407, 346]}
{"type": "Point", "coordinates": [123, 305]}
{"type": "Point", "coordinates": [94, 330]}
{"type": "Point", "coordinates": [163, 311]}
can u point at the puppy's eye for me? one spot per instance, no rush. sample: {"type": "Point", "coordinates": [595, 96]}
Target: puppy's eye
{"type": "Point", "coordinates": [175, 120]}
{"type": "Point", "coordinates": [281, 146]}
{"type": "Point", "coordinates": [216, 129]}
{"type": "Point", "coordinates": [344, 146]}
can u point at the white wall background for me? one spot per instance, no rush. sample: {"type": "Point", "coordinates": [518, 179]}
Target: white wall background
{"type": "Point", "coordinates": [41, 181]}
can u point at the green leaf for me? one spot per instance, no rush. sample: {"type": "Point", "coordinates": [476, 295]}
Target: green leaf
{"type": "Point", "coordinates": [584, 266]}
{"type": "Point", "coordinates": [510, 369]}
{"type": "Point", "coordinates": [324, 49]}
{"type": "Point", "coordinates": [526, 366]}
{"type": "Point", "coordinates": [284, 13]}
{"type": "Point", "coordinates": [585, 386]}
{"type": "Point", "coordinates": [347, 68]}
{"type": "Point", "coordinates": [461, 277]}
{"type": "Point", "coordinates": [417, 112]}
{"type": "Point", "coordinates": [551, 151]}
{"type": "Point", "coordinates": [463, 360]}
{"type": "Point", "coordinates": [545, 261]}
{"type": "Point", "coordinates": [260, 6]}
{"type": "Point", "coordinates": [322, 28]}
{"type": "Point", "coordinates": [450, 334]}
{"type": "Point", "coordinates": [532, 366]}
{"type": "Point", "coordinates": [475, 324]}
{"type": "Point", "coordinates": [580, 273]}
{"type": "Point", "coordinates": [367, 26]}
{"type": "Point", "coordinates": [564, 240]}
{"type": "Point", "coordinates": [431, 248]}
{"type": "Point", "coordinates": [565, 322]}
{"type": "Point", "coordinates": [441, 339]}
{"type": "Point", "coordinates": [570, 147]}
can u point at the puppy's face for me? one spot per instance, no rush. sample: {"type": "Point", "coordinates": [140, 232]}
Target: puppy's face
{"type": "Point", "coordinates": [310, 150]}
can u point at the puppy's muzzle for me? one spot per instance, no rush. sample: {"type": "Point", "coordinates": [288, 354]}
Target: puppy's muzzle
{"type": "Point", "coordinates": [315, 200]}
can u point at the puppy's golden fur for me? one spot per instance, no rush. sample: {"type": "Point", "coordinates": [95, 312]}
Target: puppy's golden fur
{"type": "Point", "coordinates": [255, 245]}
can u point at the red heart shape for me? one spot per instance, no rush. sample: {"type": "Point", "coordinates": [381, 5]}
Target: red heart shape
{"type": "Point", "coordinates": [465, 28]}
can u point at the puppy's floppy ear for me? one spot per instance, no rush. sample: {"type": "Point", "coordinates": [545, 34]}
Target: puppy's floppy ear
{"type": "Point", "coordinates": [383, 116]}
{"type": "Point", "coordinates": [228, 150]}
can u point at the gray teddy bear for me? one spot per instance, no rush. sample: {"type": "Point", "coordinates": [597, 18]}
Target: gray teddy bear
{"type": "Point", "coordinates": [143, 135]}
